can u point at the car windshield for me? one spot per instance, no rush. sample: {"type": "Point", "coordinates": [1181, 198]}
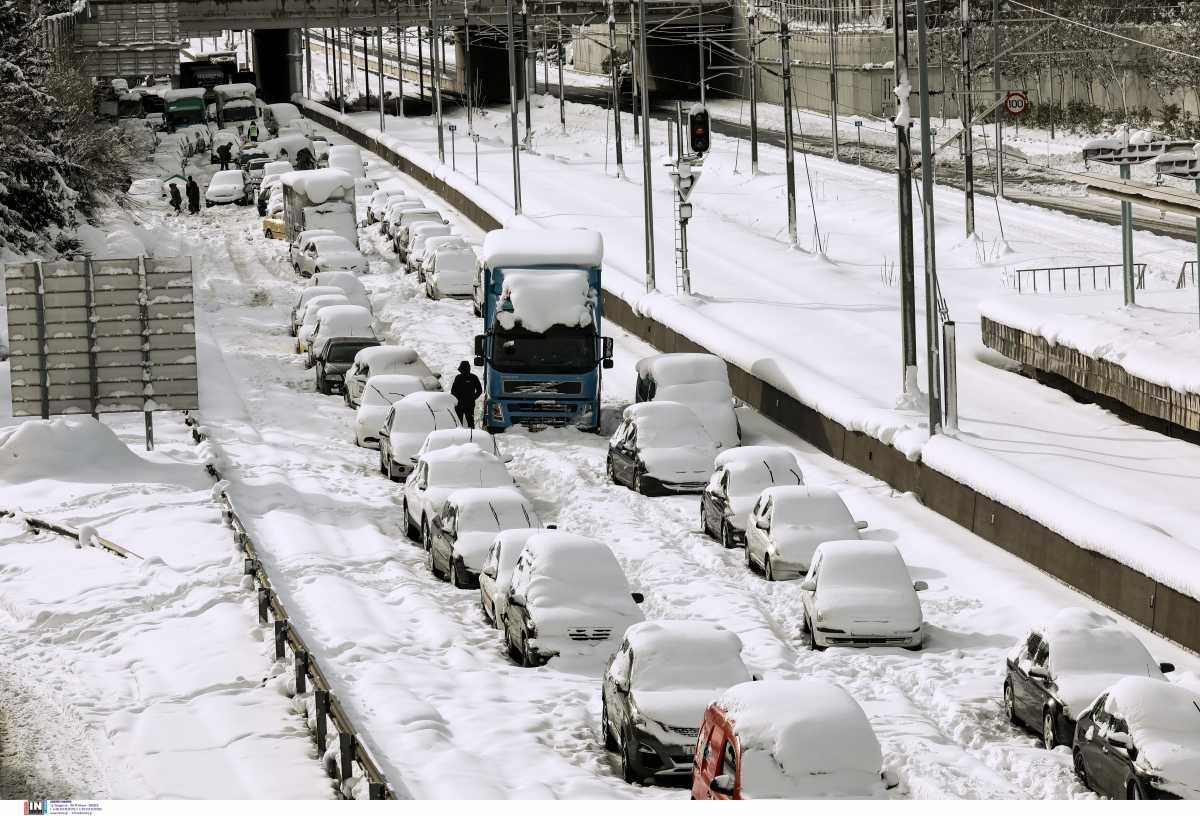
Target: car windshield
{"type": "Point", "coordinates": [560, 350]}
{"type": "Point", "coordinates": [494, 516]}
{"type": "Point", "coordinates": [344, 352]}
{"type": "Point", "coordinates": [375, 395]}
{"type": "Point", "coordinates": [875, 570]}
{"type": "Point", "coordinates": [655, 432]}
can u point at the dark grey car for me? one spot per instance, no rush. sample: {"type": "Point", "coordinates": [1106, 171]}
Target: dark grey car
{"type": "Point", "coordinates": [335, 360]}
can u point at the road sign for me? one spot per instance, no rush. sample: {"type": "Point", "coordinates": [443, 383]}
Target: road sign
{"type": "Point", "coordinates": [1016, 102]}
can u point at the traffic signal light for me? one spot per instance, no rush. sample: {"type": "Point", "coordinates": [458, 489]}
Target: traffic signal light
{"type": "Point", "coordinates": [698, 136]}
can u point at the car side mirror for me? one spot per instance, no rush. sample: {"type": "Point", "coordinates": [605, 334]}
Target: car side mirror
{"type": "Point", "coordinates": [762, 525]}
{"type": "Point", "coordinates": [920, 586]}
{"type": "Point", "coordinates": [638, 597]}
{"type": "Point", "coordinates": [861, 525]}
{"type": "Point", "coordinates": [1040, 672]}
{"type": "Point", "coordinates": [722, 784]}
{"type": "Point", "coordinates": [808, 585]}
{"type": "Point", "coordinates": [1118, 739]}
{"type": "Point", "coordinates": [1166, 668]}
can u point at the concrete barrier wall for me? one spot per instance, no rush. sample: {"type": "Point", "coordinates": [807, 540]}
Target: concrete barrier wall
{"type": "Point", "coordinates": [1122, 588]}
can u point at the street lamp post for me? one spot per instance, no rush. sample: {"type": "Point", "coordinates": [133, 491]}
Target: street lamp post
{"type": "Point", "coordinates": [453, 158]}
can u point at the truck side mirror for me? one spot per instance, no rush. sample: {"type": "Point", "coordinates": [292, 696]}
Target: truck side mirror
{"type": "Point", "coordinates": [479, 341]}
{"type": "Point", "coordinates": [606, 363]}
{"type": "Point", "coordinates": [478, 361]}
{"type": "Point", "coordinates": [607, 348]}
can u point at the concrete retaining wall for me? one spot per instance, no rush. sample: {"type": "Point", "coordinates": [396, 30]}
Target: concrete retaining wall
{"type": "Point", "coordinates": [1122, 588]}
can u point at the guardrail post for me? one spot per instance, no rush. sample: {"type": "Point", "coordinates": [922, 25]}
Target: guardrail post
{"type": "Point", "coordinates": [301, 671]}
{"type": "Point", "coordinates": [264, 605]}
{"type": "Point", "coordinates": [321, 702]}
{"type": "Point", "coordinates": [375, 790]}
{"type": "Point", "coordinates": [950, 375]}
{"type": "Point", "coordinates": [281, 626]}
{"type": "Point", "coordinates": [249, 566]}
{"type": "Point", "coordinates": [346, 743]}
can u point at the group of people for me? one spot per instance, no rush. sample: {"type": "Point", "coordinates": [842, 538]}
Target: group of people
{"type": "Point", "coordinates": [193, 196]}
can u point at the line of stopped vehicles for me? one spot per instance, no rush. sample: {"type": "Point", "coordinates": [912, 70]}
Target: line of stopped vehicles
{"type": "Point", "coordinates": [679, 705]}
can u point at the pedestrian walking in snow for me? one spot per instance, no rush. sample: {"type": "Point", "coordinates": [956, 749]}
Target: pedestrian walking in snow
{"type": "Point", "coordinates": [193, 196]}
{"type": "Point", "coordinates": [223, 153]}
{"type": "Point", "coordinates": [252, 132]}
{"type": "Point", "coordinates": [176, 197]}
{"type": "Point", "coordinates": [466, 389]}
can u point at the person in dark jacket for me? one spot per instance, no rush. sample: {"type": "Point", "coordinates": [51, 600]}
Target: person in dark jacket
{"type": "Point", "coordinates": [466, 389]}
{"type": "Point", "coordinates": [193, 196]}
{"type": "Point", "coordinates": [176, 197]}
{"type": "Point", "coordinates": [224, 153]}
{"type": "Point", "coordinates": [304, 159]}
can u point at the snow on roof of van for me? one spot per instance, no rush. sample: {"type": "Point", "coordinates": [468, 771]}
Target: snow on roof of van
{"type": "Point", "coordinates": [284, 111]}
{"type": "Point", "coordinates": [508, 247]}
{"type": "Point", "coordinates": [683, 368]}
{"type": "Point", "coordinates": [808, 727]}
{"type": "Point", "coordinates": [173, 94]}
{"type": "Point", "coordinates": [236, 89]}
{"type": "Point", "coordinates": [541, 299]}
{"type": "Point", "coordinates": [318, 186]}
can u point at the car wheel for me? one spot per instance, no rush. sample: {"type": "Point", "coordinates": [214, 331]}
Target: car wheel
{"type": "Point", "coordinates": [266, 233]}
{"type": "Point", "coordinates": [1049, 738]}
{"type": "Point", "coordinates": [749, 559]}
{"type": "Point", "coordinates": [475, 308]}
{"type": "Point", "coordinates": [391, 474]}
{"type": "Point", "coordinates": [610, 470]}
{"type": "Point", "coordinates": [526, 657]}
{"type": "Point", "coordinates": [1010, 705]}
{"type": "Point", "coordinates": [322, 385]}
{"type": "Point", "coordinates": [727, 536]}
{"type": "Point", "coordinates": [410, 529]}
{"type": "Point", "coordinates": [638, 486]}
{"type": "Point", "coordinates": [768, 573]}
{"type": "Point", "coordinates": [514, 653]}
{"type": "Point", "coordinates": [383, 468]}
{"type": "Point", "coordinates": [426, 541]}
{"type": "Point", "coordinates": [627, 771]}
{"type": "Point", "coordinates": [610, 739]}
{"type": "Point", "coordinates": [441, 576]}
{"type": "Point", "coordinates": [1133, 790]}
{"type": "Point", "coordinates": [458, 575]}
{"type": "Point", "coordinates": [1080, 770]}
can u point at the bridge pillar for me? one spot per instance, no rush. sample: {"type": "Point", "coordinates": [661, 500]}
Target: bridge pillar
{"type": "Point", "coordinates": [278, 56]}
{"type": "Point", "coordinates": [489, 66]}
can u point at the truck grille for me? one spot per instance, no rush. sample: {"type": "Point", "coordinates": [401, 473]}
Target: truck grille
{"type": "Point", "coordinates": [543, 407]}
{"type": "Point", "coordinates": [542, 387]}
{"type": "Point", "coordinates": [584, 633]}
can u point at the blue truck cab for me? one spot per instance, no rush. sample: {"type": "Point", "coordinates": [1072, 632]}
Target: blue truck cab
{"type": "Point", "coordinates": [541, 351]}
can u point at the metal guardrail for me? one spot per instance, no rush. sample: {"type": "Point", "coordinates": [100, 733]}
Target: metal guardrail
{"type": "Point", "coordinates": [1027, 280]}
{"type": "Point", "coordinates": [70, 532]}
{"type": "Point", "coordinates": [351, 750]}
{"type": "Point", "coordinates": [1187, 270]}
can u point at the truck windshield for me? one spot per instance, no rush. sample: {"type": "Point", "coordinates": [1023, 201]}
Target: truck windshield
{"type": "Point", "coordinates": [560, 350]}
{"type": "Point", "coordinates": [238, 111]}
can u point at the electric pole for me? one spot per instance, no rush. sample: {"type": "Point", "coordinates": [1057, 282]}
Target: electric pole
{"type": "Point", "coordinates": [634, 76]}
{"type": "Point", "coordinates": [931, 287]}
{"type": "Point", "coordinates": [512, 109]}
{"type": "Point", "coordinates": [785, 47]}
{"type": "Point", "coordinates": [700, 42]}
{"type": "Point", "coordinates": [752, 24]}
{"type": "Point", "coordinates": [562, 57]}
{"type": "Point", "coordinates": [998, 81]}
{"type": "Point", "coordinates": [965, 110]}
{"type": "Point", "coordinates": [908, 297]}
{"type": "Point", "coordinates": [833, 118]}
{"type": "Point", "coordinates": [435, 78]}
{"type": "Point", "coordinates": [647, 189]}
{"type": "Point", "coordinates": [530, 73]}
{"type": "Point", "coordinates": [616, 86]}
{"type": "Point", "coordinates": [468, 80]}
{"type": "Point", "coordinates": [382, 120]}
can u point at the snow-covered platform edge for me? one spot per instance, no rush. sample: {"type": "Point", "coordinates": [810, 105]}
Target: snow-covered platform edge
{"type": "Point", "coordinates": [1142, 573]}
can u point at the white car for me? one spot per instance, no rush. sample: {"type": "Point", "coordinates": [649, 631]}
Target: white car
{"type": "Point", "coordinates": [660, 447]}
{"type": "Point", "coordinates": [347, 281]}
{"type": "Point", "coordinates": [699, 381]}
{"type": "Point", "coordinates": [655, 691]}
{"type": "Point", "coordinates": [386, 360]}
{"type": "Point", "coordinates": [417, 236]}
{"type": "Point", "coordinates": [380, 198]}
{"type": "Point", "coordinates": [276, 168]}
{"type": "Point", "coordinates": [395, 208]}
{"type": "Point", "coordinates": [497, 570]}
{"type": "Point", "coordinates": [312, 311]}
{"type": "Point", "coordinates": [439, 474]}
{"type": "Point", "coordinates": [451, 273]}
{"type": "Point", "coordinates": [302, 241]}
{"type": "Point", "coordinates": [402, 228]}
{"type": "Point", "coordinates": [859, 593]}
{"type": "Point", "coordinates": [449, 437]}
{"type": "Point", "coordinates": [462, 532]}
{"type": "Point", "coordinates": [787, 524]}
{"type": "Point", "coordinates": [407, 424]}
{"type": "Point", "coordinates": [307, 294]}
{"type": "Point", "coordinates": [329, 252]}
{"type": "Point", "coordinates": [567, 595]}
{"type": "Point", "coordinates": [226, 187]}
{"type": "Point", "coordinates": [321, 151]}
{"type": "Point", "coordinates": [424, 262]}
{"type": "Point", "coordinates": [345, 320]}
{"type": "Point", "coordinates": [740, 475]}
{"type": "Point", "coordinates": [378, 396]}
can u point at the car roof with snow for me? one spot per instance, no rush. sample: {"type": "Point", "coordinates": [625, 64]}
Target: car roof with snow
{"type": "Point", "coordinates": [227, 177]}
{"type": "Point", "coordinates": [561, 248]}
{"type": "Point", "coordinates": [341, 278]}
{"type": "Point", "coordinates": [663, 422]}
{"type": "Point", "coordinates": [459, 462]}
{"type": "Point", "coordinates": [422, 409]}
{"type": "Point", "coordinates": [320, 303]}
{"type": "Point", "coordinates": [319, 186]}
{"type": "Point", "coordinates": [284, 111]}
{"type": "Point", "coordinates": [683, 368]}
{"type": "Point", "coordinates": [309, 234]}
{"type": "Point", "coordinates": [345, 321]}
{"type": "Point", "coordinates": [277, 167]}
{"type": "Point", "coordinates": [449, 437]}
{"type": "Point", "coordinates": [815, 507]}
{"type": "Point", "coordinates": [383, 355]}
{"type": "Point", "coordinates": [332, 242]}
{"type": "Point", "coordinates": [385, 389]}
{"type": "Point", "coordinates": [310, 292]}
{"type": "Point", "coordinates": [574, 571]}
{"type": "Point", "coordinates": [861, 563]}
{"type": "Point", "coordinates": [1086, 641]}
{"type": "Point", "coordinates": [492, 508]}
{"type": "Point", "coordinates": [678, 654]}
{"type": "Point", "coordinates": [772, 465]}
{"type": "Point", "coordinates": [1163, 719]}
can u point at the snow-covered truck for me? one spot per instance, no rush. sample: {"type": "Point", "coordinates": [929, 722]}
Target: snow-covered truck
{"type": "Point", "coordinates": [184, 106]}
{"type": "Point", "coordinates": [319, 199]}
{"type": "Point", "coordinates": [541, 350]}
{"type": "Point", "coordinates": [236, 104]}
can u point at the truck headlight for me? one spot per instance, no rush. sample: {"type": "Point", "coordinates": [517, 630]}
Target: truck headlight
{"type": "Point", "coordinates": [497, 412]}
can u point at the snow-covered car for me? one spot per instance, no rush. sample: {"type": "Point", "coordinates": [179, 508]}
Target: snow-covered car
{"type": "Point", "coordinates": [395, 209]}
{"type": "Point", "coordinates": [439, 474]}
{"type": "Point", "coordinates": [860, 593]}
{"type": "Point", "coordinates": [740, 475]}
{"type": "Point", "coordinates": [660, 447]}
{"type": "Point", "coordinates": [333, 358]}
{"type": "Point", "coordinates": [379, 199]}
{"type": "Point", "coordinates": [402, 227]}
{"type": "Point", "coordinates": [308, 319]}
{"type": "Point", "coordinates": [224, 137]}
{"type": "Point", "coordinates": [386, 360]}
{"type": "Point", "coordinates": [267, 188]}
{"type": "Point", "coordinates": [280, 114]}
{"type": "Point", "coordinates": [1140, 739]}
{"type": "Point", "coordinates": [567, 595]}
{"type": "Point", "coordinates": [497, 571]}
{"type": "Point", "coordinates": [407, 424]}
{"type": "Point", "coordinates": [302, 241]}
{"type": "Point", "coordinates": [449, 437]}
{"type": "Point", "coordinates": [656, 689]}
{"type": "Point", "coordinates": [699, 381]}
{"type": "Point", "coordinates": [345, 280]}
{"type": "Point", "coordinates": [321, 152]}
{"type": "Point", "coordinates": [226, 187]}
{"type": "Point", "coordinates": [424, 262]}
{"type": "Point", "coordinates": [277, 168]}
{"type": "Point", "coordinates": [346, 320]}
{"type": "Point", "coordinates": [787, 524]}
{"type": "Point", "coordinates": [462, 532]}
{"type": "Point", "coordinates": [255, 169]}
{"type": "Point", "coordinates": [451, 273]}
{"type": "Point", "coordinates": [329, 252]}
{"type": "Point", "coordinates": [378, 396]}
{"type": "Point", "coordinates": [787, 739]}
{"type": "Point", "coordinates": [417, 236]}
{"type": "Point", "coordinates": [1058, 669]}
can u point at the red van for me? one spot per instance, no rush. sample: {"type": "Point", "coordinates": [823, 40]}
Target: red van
{"type": "Point", "coordinates": [787, 739]}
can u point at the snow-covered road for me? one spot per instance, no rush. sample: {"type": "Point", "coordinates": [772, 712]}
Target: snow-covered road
{"type": "Point", "coordinates": [427, 680]}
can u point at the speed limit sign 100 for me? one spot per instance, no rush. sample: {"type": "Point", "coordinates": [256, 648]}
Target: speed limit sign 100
{"type": "Point", "coordinates": [1016, 102]}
